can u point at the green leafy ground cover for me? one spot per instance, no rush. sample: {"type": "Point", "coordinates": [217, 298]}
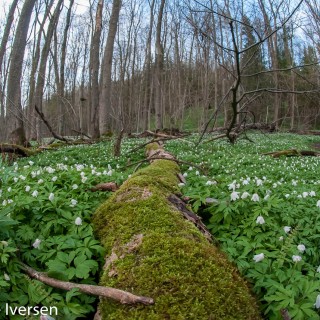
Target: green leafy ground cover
{"type": "Point", "coordinates": [262, 209]}
{"type": "Point", "coordinates": [265, 214]}
{"type": "Point", "coordinates": [45, 215]}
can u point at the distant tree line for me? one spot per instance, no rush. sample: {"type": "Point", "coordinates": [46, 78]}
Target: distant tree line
{"type": "Point", "coordinates": [138, 65]}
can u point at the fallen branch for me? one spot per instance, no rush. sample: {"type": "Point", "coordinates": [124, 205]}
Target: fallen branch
{"type": "Point", "coordinates": [220, 136]}
{"type": "Point", "coordinates": [54, 134]}
{"type": "Point", "coordinates": [123, 297]}
{"type": "Point", "coordinates": [82, 133]}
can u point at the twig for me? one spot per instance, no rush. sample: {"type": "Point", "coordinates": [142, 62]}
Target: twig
{"type": "Point", "coordinates": [216, 137]}
{"type": "Point", "coordinates": [82, 133]}
{"type": "Point", "coordinates": [57, 136]}
{"type": "Point", "coordinates": [123, 297]}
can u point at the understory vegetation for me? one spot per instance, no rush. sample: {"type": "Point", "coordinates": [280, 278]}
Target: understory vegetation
{"type": "Point", "coordinates": [263, 213]}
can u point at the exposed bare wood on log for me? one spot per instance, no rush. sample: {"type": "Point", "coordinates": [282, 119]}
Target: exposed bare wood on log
{"type": "Point", "coordinates": [54, 134]}
{"type": "Point", "coordinates": [120, 253]}
{"type": "Point", "coordinates": [181, 178]}
{"type": "Point", "coordinates": [108, 186]}
{"type": "Point", "coordinates": [121, 296]}
{"type": "Point", "coordinates": [189, 215]}
{"type": "Point", "coordinates": [97, 315]}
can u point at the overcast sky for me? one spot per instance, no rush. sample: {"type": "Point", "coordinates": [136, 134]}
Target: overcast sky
{"type": "Point", "coordinates": [80, 6]}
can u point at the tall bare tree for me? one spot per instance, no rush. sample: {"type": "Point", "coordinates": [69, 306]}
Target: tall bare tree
{"type": "Point", "coordinates": [44, 59]}
{"type": "Point", "coordinates": [15, 120]}
{"type": "Point", "coordinates": [3, 47]}
{"type": "Point", "coordinates": [106, 70]}
{"type": "Point", "coordinates": [7, 29]}
{"type": "Point", "coordinates": [94, 72]}
{"type": "Point", "coordinates": [159, 69]}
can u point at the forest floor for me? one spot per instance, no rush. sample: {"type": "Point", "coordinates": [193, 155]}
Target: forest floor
{"type": "Point", "coordinates": [263, 212]}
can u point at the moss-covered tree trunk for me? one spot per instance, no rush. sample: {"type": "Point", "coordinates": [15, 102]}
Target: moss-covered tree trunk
{"type": "Point", "coordinates": [153, 251]}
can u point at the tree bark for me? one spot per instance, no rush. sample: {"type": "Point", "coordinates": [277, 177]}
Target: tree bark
{"type": "Point", "coordinates": [159, 69]}
{"type": "Point", "coordinates": [94, 72]}
{"type": "Point", "coordinates": [106, 70]}
{"type": "Point", "coordinates": [6, 32]}
{"type": "Point", "coordinates": [147, 73]}
{"type": "Point", "coordinates": [61, 82]}
{"type": "Point", "coordinates": [123, 297]}
{"type": "Point", "coordinates": [31, 115]}
{"type": "Point", "coordinates": [15, 117]}
{"type": "Point", "coordinates": [43, 62]}
{"type": "Point", "coordinates": [3, 47]}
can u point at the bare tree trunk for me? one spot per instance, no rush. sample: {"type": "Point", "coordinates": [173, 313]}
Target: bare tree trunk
{"type": "Point", "coordinates": [147, 73]}
{"type": "Point", "coordinates": [15, 125]}
{"type": "Point", "coordinates": [6, 32]}
{"type": "Point", "coordinates": [61, 82]}
{"type": "Point", "coordinates": [43, 61]}
{"type": "Point", "coordinates": [3, 47]}
{"type": "Point", "coordinates": [105, 101]}
{"type": "Point", "coordinates": [272, 46]}
{"type": "Point", "coordinates": [159, 69]}
{"type": "Point", "coordinates": [31, 114]}
{"type": "Point", "coordinates": [94, 72]}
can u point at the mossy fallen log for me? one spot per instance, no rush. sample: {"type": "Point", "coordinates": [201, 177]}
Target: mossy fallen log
{"type": "Point", "coordinates": [153, 251]}
{"type": "Point", "coordinates": [18, 150]}
{"type": "Point", "coordinates": [292, 153]}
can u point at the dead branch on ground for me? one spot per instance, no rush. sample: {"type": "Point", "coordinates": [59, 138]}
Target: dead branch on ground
{"type": "Point", "coordinates": [123, 297]}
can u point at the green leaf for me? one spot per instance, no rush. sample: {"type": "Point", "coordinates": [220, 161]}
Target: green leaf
{"type": "Point", "coordinates": [79, 260]}
{"type": "Point", "coordinates": [72, 293]}
{"type": "Point", "coordinates": [57, 265]}
{"type": "Point", "coordinates": [62, 256]}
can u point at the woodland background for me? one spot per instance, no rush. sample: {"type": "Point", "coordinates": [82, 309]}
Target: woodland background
{"type": "Point", "coordinates": [147, 64]}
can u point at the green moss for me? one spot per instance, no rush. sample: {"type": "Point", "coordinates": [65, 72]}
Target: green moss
{"type": "Point", "coordinates": [187, 276]}
{"type": "Point", "coordinates": [152, 146]}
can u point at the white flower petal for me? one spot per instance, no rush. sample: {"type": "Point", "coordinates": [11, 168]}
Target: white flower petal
{"type": "Point", "coordinates": [258, 257]}
{"type": "Point", "coordinates": [78, 221]}
{"type": "Point", "coordinates": [36, 243]}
